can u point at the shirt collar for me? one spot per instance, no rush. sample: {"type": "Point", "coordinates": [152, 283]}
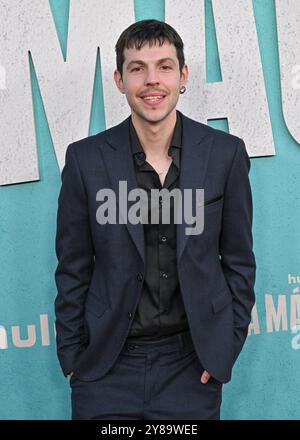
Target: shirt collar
{"type": "Point", "coordinates": [176, 142]}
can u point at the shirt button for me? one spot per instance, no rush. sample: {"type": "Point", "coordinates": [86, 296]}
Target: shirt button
{"type": "Point", "coordinates": [139, 276]}
{"type": "Point", "coordinates": [163, 275]}
{"type": "Point", "coordinates": [163, 238]}
{"type": "Point", "coordinates": [129, 315]}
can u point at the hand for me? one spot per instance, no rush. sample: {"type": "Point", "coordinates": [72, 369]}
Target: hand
{"type": "Point", "coordinates": [205, 377]}
{"type": "Point", "coordinates": [71, 373]}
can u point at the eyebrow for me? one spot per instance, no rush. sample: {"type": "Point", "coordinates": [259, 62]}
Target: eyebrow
{"type": "Point", "coordinates": [162, 60]}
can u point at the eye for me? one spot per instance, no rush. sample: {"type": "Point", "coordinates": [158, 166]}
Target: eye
{"type": "Point", "coordinates": [135, 69]}
{"type": "Point", "coordinates": [165, 67]}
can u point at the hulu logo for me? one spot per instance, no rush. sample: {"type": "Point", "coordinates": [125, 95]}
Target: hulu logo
{"type": "Point", "coordinates": [30, 340]}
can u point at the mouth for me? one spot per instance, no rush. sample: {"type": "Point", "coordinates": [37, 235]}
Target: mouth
{"type": "Point", "coordinates": [153, 100]}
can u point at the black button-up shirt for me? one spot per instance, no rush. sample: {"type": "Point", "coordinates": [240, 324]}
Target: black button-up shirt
{"type": "Point", "coordinates": [161, 310]}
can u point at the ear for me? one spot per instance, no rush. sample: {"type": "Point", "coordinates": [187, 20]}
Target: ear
{"type": "Point", "coordinates": [184, 75]}
{"type": "Point", "coordinates": [119, 81]}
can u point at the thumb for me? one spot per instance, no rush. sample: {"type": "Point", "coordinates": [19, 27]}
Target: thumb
{"type": "Point", "coordinates": [205, 377]}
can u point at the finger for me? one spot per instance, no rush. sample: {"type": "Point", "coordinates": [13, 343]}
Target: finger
{"type": "Point", "coordinates": [205, 377]}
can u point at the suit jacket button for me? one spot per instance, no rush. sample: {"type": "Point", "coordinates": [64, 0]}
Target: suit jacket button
{"type": "Point", "coordinates": [129, 315]}
{"type": "Point", "coordinates": [140, 276]}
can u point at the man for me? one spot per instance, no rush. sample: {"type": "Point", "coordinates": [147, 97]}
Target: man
{"type": "Point", "coordinates": [150, 319]}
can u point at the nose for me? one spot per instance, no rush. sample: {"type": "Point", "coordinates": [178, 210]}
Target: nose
{"type": "Point", "coordinates": [152, 77]}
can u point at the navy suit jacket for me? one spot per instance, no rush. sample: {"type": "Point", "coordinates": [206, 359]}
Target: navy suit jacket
{"type": "Point", "coordinates": [100, 268]}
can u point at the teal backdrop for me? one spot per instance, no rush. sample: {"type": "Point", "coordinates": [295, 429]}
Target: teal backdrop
{"type": "Point", "coordinates": [266, 377]}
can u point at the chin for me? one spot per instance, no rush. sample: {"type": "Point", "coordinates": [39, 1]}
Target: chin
{"type": "Point", "coordinates": [153, 115]}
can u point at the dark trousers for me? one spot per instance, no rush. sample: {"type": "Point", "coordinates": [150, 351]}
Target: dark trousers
{"type": "Point", "coordinates": [157, 380]}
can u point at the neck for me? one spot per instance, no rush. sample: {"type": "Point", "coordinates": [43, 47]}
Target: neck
{"type": "Point", "coordinates": [155, 137]}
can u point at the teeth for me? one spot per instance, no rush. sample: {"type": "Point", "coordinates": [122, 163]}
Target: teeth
{"type": "Point", "coordinates": [153, 98]}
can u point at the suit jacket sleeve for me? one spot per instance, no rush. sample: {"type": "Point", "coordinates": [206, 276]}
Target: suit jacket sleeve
{"type": "Point", "coordinates": [237, 258]}
{"type": "Point", "coordinates": [74, 250]}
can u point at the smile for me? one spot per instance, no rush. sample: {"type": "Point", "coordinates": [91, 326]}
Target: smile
{"type": "Point", "coordinates": [153, 100]}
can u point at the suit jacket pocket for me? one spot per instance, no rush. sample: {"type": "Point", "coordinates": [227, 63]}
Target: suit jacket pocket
{"type": "Point", "coordinates": [213, 204]}
{"type": "Point", "coordinates": [95, 305]}
{"type": "Point", "coordinates": [213, 200]}
{"type": "Point", "coordinates": [221, 300]}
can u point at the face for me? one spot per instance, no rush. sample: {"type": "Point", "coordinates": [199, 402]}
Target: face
{"type": "Point", "coordinates": [151, 81]}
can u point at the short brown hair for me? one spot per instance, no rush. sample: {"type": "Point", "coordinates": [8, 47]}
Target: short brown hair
{"type": "Point", "coordinates": [148, 31]}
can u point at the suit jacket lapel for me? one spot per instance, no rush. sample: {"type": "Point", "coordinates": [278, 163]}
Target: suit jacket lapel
{"type": "Point", "coordinates": [196, 147]}
{"type": "Point", "coordinates": [120, 166]}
